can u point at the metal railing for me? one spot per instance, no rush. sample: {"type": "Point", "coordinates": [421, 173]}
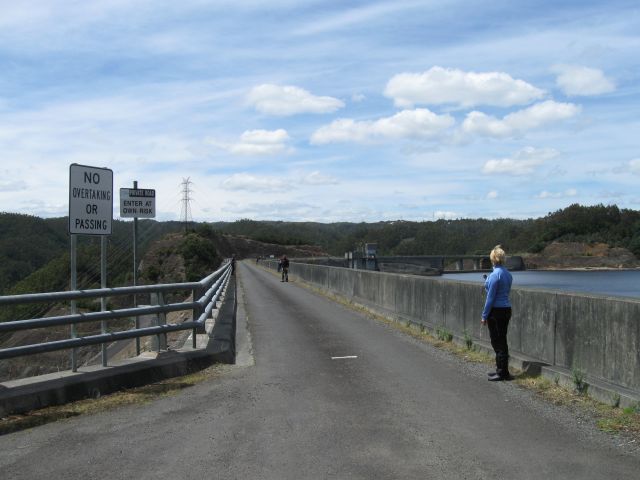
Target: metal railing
{"type": "Point", "coordinates": [206, 293]}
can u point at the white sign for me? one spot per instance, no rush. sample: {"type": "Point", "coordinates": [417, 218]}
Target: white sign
{"type": "Point", "coordinates": [137, 203]}
{"type": "Point", "coordinates": [90, 200]}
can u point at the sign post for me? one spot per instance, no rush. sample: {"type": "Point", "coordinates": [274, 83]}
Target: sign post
{"type": "Point", "coordinates": [90, 213]}
{"type": "Point", "coordinates": [137, 203]}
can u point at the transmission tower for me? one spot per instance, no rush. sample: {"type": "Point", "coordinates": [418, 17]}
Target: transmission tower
{"type": "Point", "coordinates": [185, 207]}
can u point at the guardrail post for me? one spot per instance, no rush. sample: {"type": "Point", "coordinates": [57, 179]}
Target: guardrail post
{"type": "Point", "coordinates": [103, 299]}
{"type": "Point", "coordinates": [161, 319]}
{"type": "Point", "coordinates": [137, 325]}
{"type": "Point", "coordinates": [74, 286]}
{"type": "Point", "coordinates": [197, 311]}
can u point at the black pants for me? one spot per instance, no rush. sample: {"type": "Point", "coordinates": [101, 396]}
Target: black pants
{"type": "Point", "coordinates": [498, 323]}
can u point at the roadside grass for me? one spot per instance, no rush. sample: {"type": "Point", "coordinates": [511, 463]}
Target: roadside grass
{"type": "Point", "coordinates": [610, 419]}
{"type": "Point", "coordinates": [607, 418]}
{"type": "Point", "coordinates": [133, 396]}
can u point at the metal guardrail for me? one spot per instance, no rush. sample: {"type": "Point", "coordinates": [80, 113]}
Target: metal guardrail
{"type": "Point", "coordinates": [207, 291]}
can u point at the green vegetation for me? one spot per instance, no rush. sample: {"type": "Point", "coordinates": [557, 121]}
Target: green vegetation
{"type": "Point", "coordinates": [28, 244]}
{"type": "Point", "coordinates": [44, 240]}
{"type": "Point", "coordinates": [578, 376]}
{"type": "Point", "coordinates": [444, 335]}
{"type": "Point", "coordinates": [607, 224]}
{"type": "Point", "coordinates": [200, 254]}
{"type": "Point", "coordinates": [468, 340]}
{"type": "Point", "coordinates": [48, 270]}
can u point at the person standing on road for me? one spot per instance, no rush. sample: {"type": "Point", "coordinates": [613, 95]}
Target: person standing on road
{"type": "Point", "coordinates": [497, 312]}
{"type": "Point", "coordinates": [285, 268]}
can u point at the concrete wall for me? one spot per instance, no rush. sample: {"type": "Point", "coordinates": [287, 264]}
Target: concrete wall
{"type": "Point", "coordinates": [597, 334]}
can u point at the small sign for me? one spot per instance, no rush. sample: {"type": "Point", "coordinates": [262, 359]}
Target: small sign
{"type": "Point", "coordinates": [90, 200]}
{"type": "Point", "coordinates": [137, 203]}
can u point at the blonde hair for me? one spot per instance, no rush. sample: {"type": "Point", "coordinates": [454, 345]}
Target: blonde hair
{"type": "Point", "coordinates": [497, 255]}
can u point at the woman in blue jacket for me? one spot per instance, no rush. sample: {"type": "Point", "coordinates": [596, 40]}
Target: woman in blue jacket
{"type": "Point", "coordinates": [497, 312]}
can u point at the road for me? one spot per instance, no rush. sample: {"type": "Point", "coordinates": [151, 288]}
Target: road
{"type": "Point", "coordinates": [332, 395]}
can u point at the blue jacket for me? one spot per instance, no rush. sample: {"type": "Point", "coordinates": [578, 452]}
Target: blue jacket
{"type": "Point", "coordinates": [498, 286]}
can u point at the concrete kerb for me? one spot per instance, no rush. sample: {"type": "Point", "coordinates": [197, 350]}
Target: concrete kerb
{"type": "Point", "coordinates": [19, 396]}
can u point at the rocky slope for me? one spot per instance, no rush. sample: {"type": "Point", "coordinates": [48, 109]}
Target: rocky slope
{"type": "Point", "coordinates": [573, 255]}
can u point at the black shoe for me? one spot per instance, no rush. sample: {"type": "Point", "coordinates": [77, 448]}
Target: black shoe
{"type": "Point", "coordinates": [492, 373]}
{"type": "Point", "coordinates": [495, 378]}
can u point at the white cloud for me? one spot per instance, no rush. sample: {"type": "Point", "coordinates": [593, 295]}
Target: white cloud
{"type": "Point", "coordinates": [317, 178]}
{"type": "Point", "coordinates": [254, 183]}
{"type": "Point", "coordinates": [289, 100]}
{"type": "Point", "coordinates": [257, 142]}
{"type": "Point", "coordinates": [492, 194]}
{"type": "Point", "coordinates": [445, 215]}
{"type": "Point", "coordinates": [357, 97]}
{"type": "Point", "coordinates": [523, 162]}
{"type": "Point", "coordinates": [269, 183]}
{"type": "Point", "coordinates": [518, 123]}
{"type": "Point", "coordinates": [577, 80]}
{"type": "Point", "coordinates": [634, 166]}
{"type": "Point", "coordinates": [286, 211]}
{"type": "Point", "coordinates": [451, 86]}
{"type": "Point", "coordinates": [420, 123]}
{"type": "Point", "coordinates": [349, 18]}
{"type": "Point", "coordinates": [12, 185]}
{"type": "Point", "coordinates": [572, 192]}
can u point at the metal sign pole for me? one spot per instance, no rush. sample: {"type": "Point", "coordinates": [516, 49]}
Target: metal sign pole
{"type": "Point", "coordinates": [103, 300]}
{"type": "Point", "coordinates": [135, 269]}
{"type": "Point", "coordinates": [74, 286]}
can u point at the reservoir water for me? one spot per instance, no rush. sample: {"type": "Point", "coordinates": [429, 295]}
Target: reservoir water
{"type": "Point", "coordinates": [619, 283]}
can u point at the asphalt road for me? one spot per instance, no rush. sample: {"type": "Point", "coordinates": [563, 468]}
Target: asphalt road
{"type": "Point", "coordinates": [400, 410]}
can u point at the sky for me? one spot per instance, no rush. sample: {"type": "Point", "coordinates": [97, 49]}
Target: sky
{"type": "Point", "coordinates": [323, 110]}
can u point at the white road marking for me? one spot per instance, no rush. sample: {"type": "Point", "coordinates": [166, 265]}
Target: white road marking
{"type": "Point", "coordinates": [343, 358]}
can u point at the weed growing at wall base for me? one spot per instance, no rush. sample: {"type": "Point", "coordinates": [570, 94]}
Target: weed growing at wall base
{"type": "Point", "coordinates": [444, 335]}
{"type": "Point", "coordinates": [578, 377]}
{"type": "Point", "coordinates": [468, 341]}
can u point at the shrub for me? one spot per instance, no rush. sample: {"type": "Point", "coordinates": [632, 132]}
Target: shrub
{"type": "Point", "coordinates": [468, 341]}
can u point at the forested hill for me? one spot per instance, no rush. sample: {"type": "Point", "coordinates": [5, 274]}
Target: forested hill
{"type": "Point", "coordinates": [606, 224]}
{"type": "Point", "coordinates": [30, 244]}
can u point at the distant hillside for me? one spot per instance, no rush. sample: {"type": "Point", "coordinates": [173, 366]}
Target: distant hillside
{"type": "Point", "coordinates": [28, 244]}
{"type": "Point", "coordinates": [34, 251]}
{"type": "Point", "coordinates": [610, 225]}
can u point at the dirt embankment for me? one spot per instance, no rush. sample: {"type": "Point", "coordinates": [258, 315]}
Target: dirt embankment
{"type": "Point", "coordinates": [580, 256]}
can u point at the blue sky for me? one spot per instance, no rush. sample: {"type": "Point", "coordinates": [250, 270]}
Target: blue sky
{"type": "Point", "coordinates": [324, 111]}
